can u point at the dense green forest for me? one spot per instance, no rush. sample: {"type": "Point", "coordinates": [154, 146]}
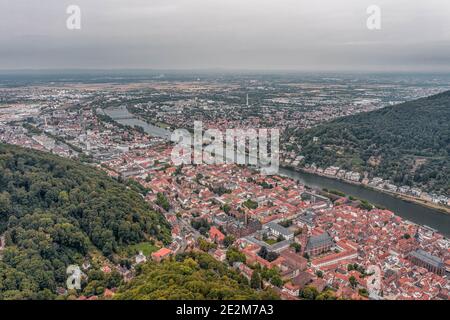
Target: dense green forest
{"type": "Point", "coordinates": [190, 276]}
{"type": "Point", "coordinates": [408, 143]}
{"type": "Point", "coordinates": [55, 212]}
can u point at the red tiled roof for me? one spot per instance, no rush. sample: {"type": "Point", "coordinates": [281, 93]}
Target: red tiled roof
{"type": "Point", "coordinates": [215, 234]}
{"type": "Point", "coordinates": [162, 253]}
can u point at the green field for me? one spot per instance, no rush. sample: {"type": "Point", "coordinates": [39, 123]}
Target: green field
{"type": "Point", "coordinates": [271, 241]}
{"type": "Point", "coordinates": [146, 247]}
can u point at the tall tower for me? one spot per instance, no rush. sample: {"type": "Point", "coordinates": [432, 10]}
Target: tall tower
{"type": "Point", "coordinates": [303, 239]}
{"type": "Point", "coordinates": [247, 100]}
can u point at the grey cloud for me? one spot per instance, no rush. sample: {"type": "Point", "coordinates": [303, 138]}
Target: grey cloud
{"type": "Point", "coordinates": [250, 34]}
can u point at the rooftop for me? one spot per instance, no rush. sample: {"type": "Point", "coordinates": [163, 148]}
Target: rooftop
{"type": "Point", "coordinates": [319, 240]}
{"type": "Point", "coordinates": [428, 258]}
{"type": "Point", "coordinates": [280, 229]}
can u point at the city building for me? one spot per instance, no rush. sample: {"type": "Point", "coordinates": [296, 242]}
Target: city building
{"type": "Point", "coordinates": [428, 261]}
{"type": "Point", "coordinates": [318, 244]}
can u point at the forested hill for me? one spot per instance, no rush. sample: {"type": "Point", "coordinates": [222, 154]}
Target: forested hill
{"type": "Point", "coordinates": [192, 276]}
{"type": "Point", "coordinates": [408, 143]}
{"type": "Point", "coordinates": [55, 212]}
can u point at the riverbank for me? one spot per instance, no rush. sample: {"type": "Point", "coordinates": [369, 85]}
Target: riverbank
{"type": "Point", "coordinates": [404, 197]}
{"type": "Point", "coordinates": [419, 201]}
{"type": "Point", "coordinates": [418, 213]}
{"type": "Point", "coordinates": [122, 116]}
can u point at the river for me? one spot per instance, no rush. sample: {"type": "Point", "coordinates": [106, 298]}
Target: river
{"type": "Point", "coordinates": [124, 117]}
{"type": "Point", "coordinates": [408, 210]}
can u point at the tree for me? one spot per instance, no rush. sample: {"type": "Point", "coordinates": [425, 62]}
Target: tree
{"type": "Point", "coordinates": [63, 196]}
{"type": "Point", "coordinates": [234, 255]}
{"type": "Point", "coordinates": [296, 246]}
{"type": "Point", "coordinates": [272, 275]}
{"type": "Point", "coordinates": [255, 281]}
{"type": "Point", "coordinates": [228, 241]}
{"type": "Point", "coordinates": [226, 208]}
{"type": "Point", "coordinates": [178, 170]}
{"type": "Point", "coordinates": [205, 245]}
{"type": "Point", "coordinates": [202, 225]}
{"type": "Point", "coordinates": [309, 293]}
{"type": "Point", "coordinates": [272, 256]}
{"type": "Point", "coordinates": [276, 281]}
{"type": "Point", "coordinates": [326, 295]}
{"type": "Point", "coordinates": [162, 201]}
{"type": "Point", "coordinates": [353, 281]}
{"type": "Point", "coordinates": [250, 204]}
{"type": "Point", "coordinates": [263, 252]}
{"type": "Point", "coordinates": [190, 276]}
{"type": "Point", "coordinates": [363, 292]}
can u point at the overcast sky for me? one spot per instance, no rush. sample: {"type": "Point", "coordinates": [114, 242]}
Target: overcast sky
{"type": "Point", "coordinates": [328, 35]}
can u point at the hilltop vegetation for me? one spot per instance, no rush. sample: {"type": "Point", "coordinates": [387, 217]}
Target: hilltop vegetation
{"type": "Point", "coordinates": [193, 276]}
{"type": "Point", "coordinates": [408, 143]}
{"type": "Point", "coordinates": [55, 212]}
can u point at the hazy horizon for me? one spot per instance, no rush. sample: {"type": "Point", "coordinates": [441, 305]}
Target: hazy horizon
{"type": "Point", "coordinates": [232, 35]}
